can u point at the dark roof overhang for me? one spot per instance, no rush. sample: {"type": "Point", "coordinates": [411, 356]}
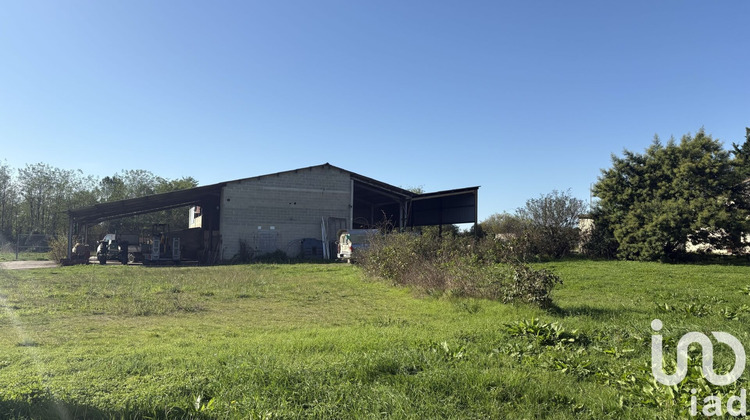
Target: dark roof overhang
{"type": "Point", "coordinates": [445, 207]}
{"type": "Point", "coordinates": [150, 203]}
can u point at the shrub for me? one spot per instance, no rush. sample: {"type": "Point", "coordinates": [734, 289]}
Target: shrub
{"type": "Point", "coordinates": [276, 257]}
{"type": "Point", "coordinates": [58, 248]}
{"type": "Point", "coordinates": [546, 227]}
{"type": "Point", "coordinates": [244, 255]}
{"type": "Point", "coordinates": [458, 266]}
{"type": "Point", "coordinates": [553, 222]}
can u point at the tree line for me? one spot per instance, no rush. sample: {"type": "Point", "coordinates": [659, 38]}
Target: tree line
{"type": "Point", "coordinates": [651, 206]}
{"type": "Point", "coordinates": [35, 199]}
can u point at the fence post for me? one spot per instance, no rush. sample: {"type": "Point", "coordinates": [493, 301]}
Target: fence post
{"type": "Point", "coordinates": [18, 244]}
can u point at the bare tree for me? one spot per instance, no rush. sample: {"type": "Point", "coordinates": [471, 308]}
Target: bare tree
{"type": "Point", "coordinates": [553, 222]}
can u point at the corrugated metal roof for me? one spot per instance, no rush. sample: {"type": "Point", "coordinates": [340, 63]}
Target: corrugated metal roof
{"type": "Point", "coordinates": [156, 202]}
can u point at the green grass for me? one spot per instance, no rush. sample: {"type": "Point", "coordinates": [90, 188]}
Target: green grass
{"type": "Point", "coordinates": [24, 256]}
{"type": "Point", "coordinates": [320, 341]}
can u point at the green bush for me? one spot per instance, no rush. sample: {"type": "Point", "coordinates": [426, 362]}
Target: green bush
{"type": "Point", "coordinates": [247, 254]}
{"type": "Point", "coordinates": [458, 266]}
{"type": "Point", "coordinates": [276, 257]}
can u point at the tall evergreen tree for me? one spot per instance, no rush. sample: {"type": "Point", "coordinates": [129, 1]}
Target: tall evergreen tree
{"type": "Point", "coordinates": [656, 202]}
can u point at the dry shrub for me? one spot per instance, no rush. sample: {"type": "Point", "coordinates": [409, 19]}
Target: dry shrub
{"type": "Point", "coordinates": [58, 248]}
{"type": "Point", "coordinates": [458, 266]}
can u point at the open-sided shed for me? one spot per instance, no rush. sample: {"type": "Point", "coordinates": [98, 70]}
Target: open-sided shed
{"type": "Point", "coordinates": [277, 211]}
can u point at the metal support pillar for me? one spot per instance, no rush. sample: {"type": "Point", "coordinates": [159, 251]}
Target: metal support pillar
{"type": "Point", "coordinates": [476, 213]}
{"type": "Point", "coordinates": [351, 205]}
{"type": "Point", "coordinates": [70, 239]}
{"type": "Point", "coordinates": [401, 213]}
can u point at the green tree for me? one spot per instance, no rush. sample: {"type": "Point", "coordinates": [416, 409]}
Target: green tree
{"type": "Point", "coordinates": [656, 202]}
{"type": "Point", "coordinates": [741, 163]}
{"type": "Point", "coordinates": [176, 218]}
{"type": "Point", "coordinates": [135, 183]}
{"type": "Point", "coordinates": [8, 201]}
{"type": "Point", "coordinates": [112, 188]}
{"type": "Point", "coordinates": [742, 156]}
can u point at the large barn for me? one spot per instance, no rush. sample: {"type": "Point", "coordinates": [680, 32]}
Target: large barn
{"type": "Point", "coordinates": [279, 211]}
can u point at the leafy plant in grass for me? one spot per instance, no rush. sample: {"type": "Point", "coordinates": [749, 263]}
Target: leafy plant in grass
{"type": "Point", "coordinates": [697, 309]}
{"type": "Point", "coordinates": [548, 334]}
{"type": "Point", "coordinates": [574, 363]}
{"type": "Point", "coordinates": [734, 314]}
{"type": "Point", "coordinates": [449, 354]}
{"type": "Point", "coordinates": [639, 388]}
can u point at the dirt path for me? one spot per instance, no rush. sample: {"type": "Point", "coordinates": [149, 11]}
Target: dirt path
{"type": "Point", "coordinates": [26, 265]}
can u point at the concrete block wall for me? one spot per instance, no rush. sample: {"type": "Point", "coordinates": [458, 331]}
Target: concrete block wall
{"type": "Point", "coordinates": [293, 203]}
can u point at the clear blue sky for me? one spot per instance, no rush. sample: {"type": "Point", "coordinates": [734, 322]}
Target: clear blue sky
{"type": "Point", "coordinates": [519, 97]}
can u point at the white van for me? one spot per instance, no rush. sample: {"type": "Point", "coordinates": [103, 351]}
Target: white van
{"type": "Point", "coordinates": [352, 240]}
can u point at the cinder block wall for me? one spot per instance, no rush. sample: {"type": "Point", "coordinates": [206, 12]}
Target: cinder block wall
{"type": "Point", "coordinates": [292, 203]}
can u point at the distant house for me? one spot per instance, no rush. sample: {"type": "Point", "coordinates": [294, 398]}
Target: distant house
{"type": "Point", "coordinates": [585, 224]}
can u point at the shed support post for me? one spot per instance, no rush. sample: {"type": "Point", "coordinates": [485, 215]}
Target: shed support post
{"type": "Point", "coordinates": [351, 204]}
{"type": "Point", "coordinates": [401, 213]}
{"type": "Point", "coordinates": [70, 239]}
{"type": "Point", "coordinates": [476, 213]}
{"type": "Point", "coordinates": [440, 219]}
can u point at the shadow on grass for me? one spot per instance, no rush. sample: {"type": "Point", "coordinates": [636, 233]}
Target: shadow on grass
{"type": "Point", "coordinates": [47, 408]}
{"type": "Point", "coordinates": [700, 259]}
{"type": "Point", "coordinates": [681, 259]}
{"type": "Point", "coordinates": [595, 313]}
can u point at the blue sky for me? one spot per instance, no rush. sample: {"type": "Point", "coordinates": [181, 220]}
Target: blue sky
{"type": "Point", "coordinates": [518, 97]}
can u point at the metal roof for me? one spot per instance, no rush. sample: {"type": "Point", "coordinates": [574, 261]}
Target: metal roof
{"type": "Point", "coordinates": [147, 204]}
{"type": "Point", "coordinates": [357, 177]}
{"type": "Point", "coordinates": [446, 193]}
{"type": "Point", "coordinates": [445, 207]}
{"type": "Point", "coordinates": [192, 196]}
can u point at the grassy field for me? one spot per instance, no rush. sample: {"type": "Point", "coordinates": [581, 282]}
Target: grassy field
{"type": "Point", "coordinates": [24, 256]}
{"type": "Point", "coordinates": [320, 341]}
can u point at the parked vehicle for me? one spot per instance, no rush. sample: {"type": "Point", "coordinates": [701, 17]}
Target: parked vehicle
{"type": "Point", "coordinates": [102, 252]}
{"type": "Point", "coordinates": [353, 241]}
{"type": "Point", "coordinates": [122, 247]}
